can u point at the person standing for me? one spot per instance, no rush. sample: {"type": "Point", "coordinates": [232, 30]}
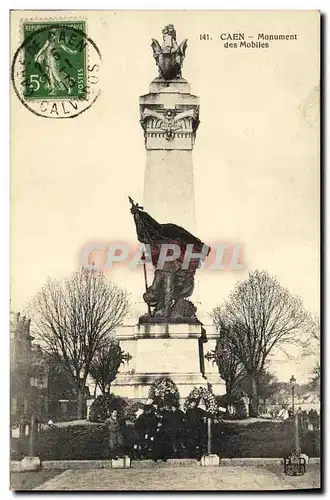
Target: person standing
{"type": "Point", "coordinates": [304, 420]}
{"type": "Point", "coordinates": [164, 443]}
{"type": "Point", "coordinates": [283, 414]}
{"type": "Point", "coordinates": [116, 439]}
{"type": "Point", "coordinates": [313, 418]}
{"type": "Point", "coordinates": [130, 439]}
{"type": "Point", "coordinates": [196, 419]}
{"type": "Point", "coordinates": [178, 430]}
{"type": "Point", "coordinates": [146, 430]}
{"type": "Point", "coordinates": [317, 420]}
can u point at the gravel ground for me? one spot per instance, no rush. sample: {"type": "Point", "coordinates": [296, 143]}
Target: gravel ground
{"type": "Point", "coordinates": [188, 478]}
{"type": "Point", "coordinates": [24, 481]}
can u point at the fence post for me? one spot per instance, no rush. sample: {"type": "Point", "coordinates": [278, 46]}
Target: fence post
{"type": "Point", "coordinates": [209, 437]}
{"type": "Point", "coordinates": [296, 433]}
{"type": "Point", "coordinates": [32, 436]}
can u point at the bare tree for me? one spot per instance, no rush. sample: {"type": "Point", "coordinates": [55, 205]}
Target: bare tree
{"type": "Point", "coordinates": [230, 367]}
{"type": "Point", "coordinates": [312, 347]}
{"type": "Point", "coordinates": [105, 364]}
{"type": "Point", "coordinates": [73, 317]}
{"type": "Point", "coordinates": [315, 379]}
{"type": "Point", "coordinates": [259, 315]}
{"type": "Point", "coordinates": [312, 344]}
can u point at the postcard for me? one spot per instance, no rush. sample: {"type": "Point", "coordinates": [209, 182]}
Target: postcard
{"type": "Point", "coordinates": [165, 250]}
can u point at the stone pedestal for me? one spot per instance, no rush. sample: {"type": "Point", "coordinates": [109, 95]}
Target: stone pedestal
{"type": "Point", "coordinates": [210, 461]}
{"type": "Point", "coordinates": [175, 350]}
{"type": "Point", "coordinates": [121, 463]}
{"type": "Point", "coordinates": [28, 464]}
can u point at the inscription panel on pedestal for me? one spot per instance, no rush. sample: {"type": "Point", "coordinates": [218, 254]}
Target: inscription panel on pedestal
{"type": "Point", "coordinates": [167, 356]}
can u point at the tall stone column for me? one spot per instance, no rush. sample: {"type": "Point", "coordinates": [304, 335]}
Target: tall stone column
{"type": "Point", "coordinates": [170, 118]}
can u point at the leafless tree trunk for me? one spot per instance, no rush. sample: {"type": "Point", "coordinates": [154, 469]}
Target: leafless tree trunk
{"type": "Point", "coordinates": [81, 404]}
{"type": "Point", "coordinates": [259, 315]}
{"type": "Point", "coordinates": [254, 396]}
{"type": "Point", "coordinates": [106, 362]}
{"type": "Point", "coordinates": [230, 367]}
{"type": "Point", "coordinates": [74, 317]}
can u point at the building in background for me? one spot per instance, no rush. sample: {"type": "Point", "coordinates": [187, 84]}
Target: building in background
{"type": "Point", "coordinates": [62, 397]}
{"type": "Point", "coordinates": [28, 373]}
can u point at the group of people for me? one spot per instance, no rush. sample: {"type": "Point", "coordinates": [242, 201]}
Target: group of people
{"type": "Point", "coordinates": [310, 420]}
{"type": "Point", "coordinates": [159, 433]}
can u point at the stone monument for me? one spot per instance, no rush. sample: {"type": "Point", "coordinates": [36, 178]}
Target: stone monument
{"type": "Point", "coordinates": [169, 340]}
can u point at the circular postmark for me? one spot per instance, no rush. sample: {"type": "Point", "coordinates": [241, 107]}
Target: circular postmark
{"type": "Point", "coordinates": [56, 69]}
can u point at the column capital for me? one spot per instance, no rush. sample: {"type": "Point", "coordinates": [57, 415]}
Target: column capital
{"type": "Point", "coordinates": [169, 117]}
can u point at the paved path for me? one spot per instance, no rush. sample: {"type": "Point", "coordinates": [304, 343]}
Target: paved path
{"type": "Point", "coordinates": [179, 478]}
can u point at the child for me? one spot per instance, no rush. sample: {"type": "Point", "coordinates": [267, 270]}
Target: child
{"type": "Point", "coordinates": [116, 439]}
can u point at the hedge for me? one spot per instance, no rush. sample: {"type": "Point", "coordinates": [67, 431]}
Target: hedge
{"type": "Point", "coordinates": [88, 442]}
{"type": "Point", "coordinates": [78, 442]}
{"type": "Point", "coordinates": [265, 440]}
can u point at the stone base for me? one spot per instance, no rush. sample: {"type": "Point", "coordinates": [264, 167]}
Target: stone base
{"type": "Point", "coordinates": [181, 320]}
{"type": "Point", "coordinates": [210, 461]}
{"type": "Point", "coordinates": [177, 85]}
{"type": "Point", "coordinates": [137, 386]}
{"type": "Point", "coordinates": [171, 462]}
{"type": "Point", "coordinates": [30, 464]}
{"type": "Point", "coordinates": [121, 463]}
{"type": "Point", "coordinates": [174, 350]}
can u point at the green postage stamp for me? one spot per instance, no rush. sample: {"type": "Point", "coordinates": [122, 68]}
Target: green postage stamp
{"type": "Point", "coordinates": [56, 70]}
{"type": "Point", "coordinates": [55, 59]}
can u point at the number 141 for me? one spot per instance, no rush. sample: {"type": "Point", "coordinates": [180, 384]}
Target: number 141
{"type": "Point", "coordinates": [205, 36]}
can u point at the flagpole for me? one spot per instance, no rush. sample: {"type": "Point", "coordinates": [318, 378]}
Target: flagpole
{"type": "Point", "coordinates": [136, 205]}
{"type": "Point", "coordinates": [146, 280]}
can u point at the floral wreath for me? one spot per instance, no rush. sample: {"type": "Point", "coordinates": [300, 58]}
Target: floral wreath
{"type": "Point", "coordinates": [164, 391]}
{"type": "Point", "coordinates": [208, 397]}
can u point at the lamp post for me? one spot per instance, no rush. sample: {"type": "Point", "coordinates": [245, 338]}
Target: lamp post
{"type": "Point", "coordinates": [293, 384]}
{"type": "Point", "coordinates": [294, 464]}
{"type": "Point", "coordinates": [295, 417]}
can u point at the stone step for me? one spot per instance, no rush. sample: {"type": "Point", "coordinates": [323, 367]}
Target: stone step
{"type": "Point", "coordinates": [171, 462]}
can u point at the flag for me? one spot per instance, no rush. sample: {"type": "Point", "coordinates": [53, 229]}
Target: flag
{"type": "Point", "coordinates": [152, 233]}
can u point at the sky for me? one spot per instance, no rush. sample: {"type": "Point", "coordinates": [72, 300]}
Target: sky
{"type": "Point", "coordinates": [256, 156]}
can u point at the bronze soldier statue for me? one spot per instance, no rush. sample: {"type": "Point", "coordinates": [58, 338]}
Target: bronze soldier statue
{"type": "Point", "coordinates": [173, 282]}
